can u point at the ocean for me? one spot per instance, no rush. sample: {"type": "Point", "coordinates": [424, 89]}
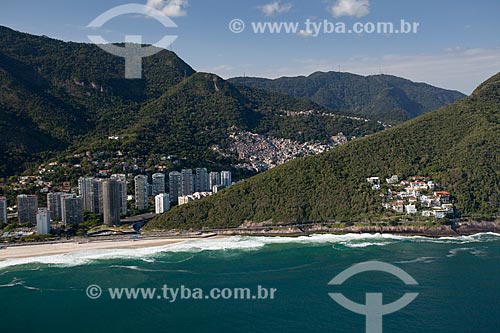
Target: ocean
{"type": "Point", "coordinates": [458, 286]}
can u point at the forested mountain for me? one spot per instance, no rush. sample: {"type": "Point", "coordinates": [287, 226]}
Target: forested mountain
{"type": "Point", "coordinates": [379, 97]}
{"type": "Point", "coordinates": [458, 146]}
{"type": "Point", "coordinates": [69, 97]}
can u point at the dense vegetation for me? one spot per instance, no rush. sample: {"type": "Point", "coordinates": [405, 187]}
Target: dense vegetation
{"type": "Point", "coordinates": [66, 98]}
{"type": "Point", "coordinates": [458, 146]}
{"type": "Point", "coordinates": [379, 97]}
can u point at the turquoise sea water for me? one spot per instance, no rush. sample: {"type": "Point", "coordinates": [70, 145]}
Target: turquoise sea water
{"type": "Point", "coordinates": [459, 286]}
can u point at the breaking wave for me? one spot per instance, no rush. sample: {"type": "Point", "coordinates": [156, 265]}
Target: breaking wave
{"type": "Point", "coordinates": [239, 243]}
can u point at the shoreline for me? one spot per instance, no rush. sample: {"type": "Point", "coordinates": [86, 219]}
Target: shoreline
{"type": "Point", "coordinates": [41, 250]}
{"type": "Point", "coordinates": [158, 238]}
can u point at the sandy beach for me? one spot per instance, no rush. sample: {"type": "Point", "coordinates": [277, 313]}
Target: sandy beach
{"type": "Point", "coordinates": [29, 251]}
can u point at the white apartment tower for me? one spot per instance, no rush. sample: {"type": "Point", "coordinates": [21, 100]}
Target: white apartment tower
{"type": "Point", "coordinates": [162, 203]}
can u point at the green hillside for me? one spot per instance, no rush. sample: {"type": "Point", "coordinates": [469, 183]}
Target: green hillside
{"type": "Point", "coordinates": [65, 98]}
{"type": "Point", "coordinates": [380, 97]}
{"type": "Point", "coordinates": [458, 146]}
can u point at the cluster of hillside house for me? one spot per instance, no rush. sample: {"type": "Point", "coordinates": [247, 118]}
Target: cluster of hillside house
{"type": "Point", "coordinates": [416, 196]}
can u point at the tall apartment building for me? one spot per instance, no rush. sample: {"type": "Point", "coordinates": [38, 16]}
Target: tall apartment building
{"type": "Point", "coordinates": [214, 180]}
{"type": "Point", "coordinates": [158, 184]}
{"type": "Point", "coordinates": [72, 210]}
{"type": "Point", "coordinates": [54, 205]}
{"type": "Point", "coordinates": [27, 208]}
{"type": "Point", "coordinates": [3, 210]}
{"type": "Point", "coordinates": [187, 182]}
{"type": "Point", "coordinates": [111, 202]}
{"type": "Point", "coordinates": [122, 180]}
{"type": "Point", "coordinates": [226, 178]}
{"type": "Point", "coordinates": [174, 185]}
{"type": "Point", "coordinates": [202, 182]}
{"type": "Point", "coordinates": [141, 192]}
{"type": "Point", "coordinates": [90, 190]}
{"type": "Point", "coordinates": [162, 203]}
{"type": "Point", "coordinates": [43, 221]}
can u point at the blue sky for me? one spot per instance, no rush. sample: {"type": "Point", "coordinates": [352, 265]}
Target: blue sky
{"type": "Point", "coordinates": [457, 45]}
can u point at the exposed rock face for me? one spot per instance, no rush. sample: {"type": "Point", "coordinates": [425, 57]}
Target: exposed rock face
{"type": "Point", "coordinates": [462, 229]}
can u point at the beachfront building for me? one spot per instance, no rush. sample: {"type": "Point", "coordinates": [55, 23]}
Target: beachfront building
{"type": "Point", "coordinates": [90, 190]}
{"type": "Point", "coordinates": [43, 221]}
{"type": "Point", "coordinates": [54, 205]}
{"type": "Point", "coordinates": [158, 184]}
{"type": "Point", "coordinates": [72, 210]}
{"type": "Point", "coordinates": [122, 181]}
{"type": "Point", "coordinates": [174, 182]}
{"type": "Point", "coordinates": [141, 192]}
{"type": "Point", "coordinates": [162, 203]}
{"type": "Point", "coordinates": [27, 207]}
{"type": "Point", "coordinates": [111, 202]}
{"type": "Point", "coordinates": [3, 210]}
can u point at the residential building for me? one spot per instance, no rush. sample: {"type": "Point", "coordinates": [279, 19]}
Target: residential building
{"type": "Point", "coordinates": [54, 205]}
{"type": "Point", "coordinates": [3, 210]}
{"type": "Point", "coordinates": [202, 182]}
{"type": "Point", "coordinates": [184, 199]}
{"type": "Point", "coordinates": [149, 189]}
{"type": "Point", "coordinates": [217, 188]}
{"type": "Point", "coordinates": [175, 185]}
{"type": "Point", "coordinates": [27, 208]}
{"type": "Point", "coordinates": [186, 182]}
{"type": "Point", "coordinates": [72, 210]}
{"type": "Point", "coordinates": [141, 192]}
{"type": "Point", "coordinates": [162, 203]}
{"type": "Point", "coordinates": [193, 197]}
{"type": "Point", "coordinates": [411, 209]}
{"type": "Point", "coordinates": [43, 221]}
{"type": "Point", "coordinates": [214, 180]}
{"type": "Point", "coordinates": [443, 197]}
{"type": "Point", "coordinates": [419, 185]}
{"type": "Point", "coordinates": [393, 180]}
{"type": "Point", "coordinates": [90, 190]}
{"type": "Point", "coordinates": [375, 182]}
{"type": "Point", "coordinates": [226, 178]}
{"type": "Point", "coordinates": [398, 206]}
{"type": "Point", "coordinates": [111, 202]}
{"type": "Point", "coordinates": [158, 184]}
{"type": "Point", "coordinates": [122, 180]}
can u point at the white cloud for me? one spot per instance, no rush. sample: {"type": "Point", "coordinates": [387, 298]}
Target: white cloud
{"type": "Point", "coordinates": [172, 8]}
{"type": "Point", "coordinates": [275, 7]}
{"type": "Point", "coordinates": [305, 33]}
{"type": "Point", "coordinates": [355, 8]}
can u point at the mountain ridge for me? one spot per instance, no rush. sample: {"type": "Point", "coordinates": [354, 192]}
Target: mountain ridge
{"type": "Point", "coordinates": [73, 97]}
{"type": "Point", "coordinates": [379, 97]}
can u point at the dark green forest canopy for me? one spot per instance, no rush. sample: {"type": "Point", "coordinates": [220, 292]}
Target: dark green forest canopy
{"type": "Point", "coordinates": [458, 146]}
